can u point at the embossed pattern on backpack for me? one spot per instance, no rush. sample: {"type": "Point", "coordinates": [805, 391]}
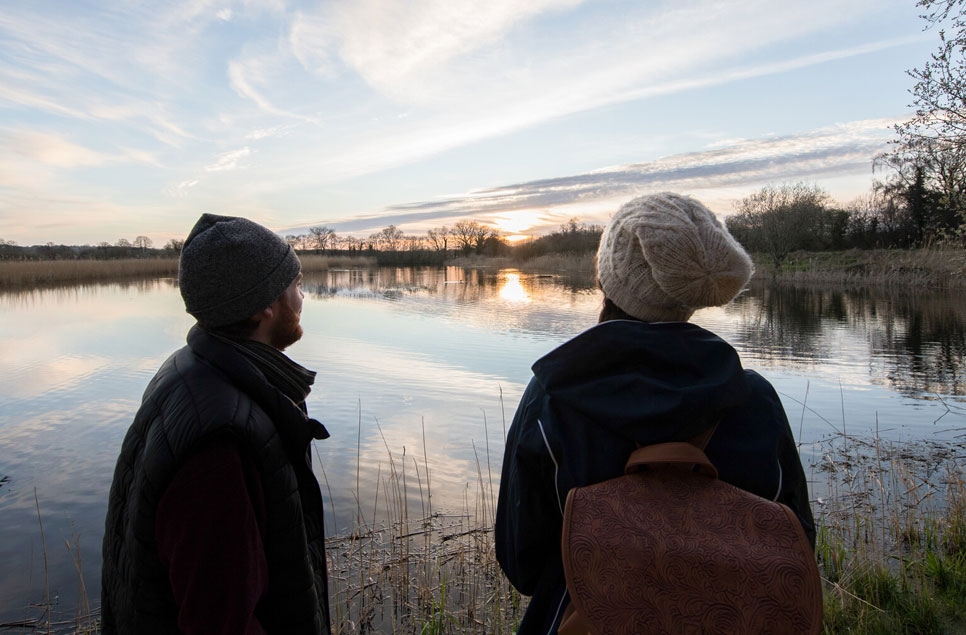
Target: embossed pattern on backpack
{"type": "Point", "coordinates": [670, 551]}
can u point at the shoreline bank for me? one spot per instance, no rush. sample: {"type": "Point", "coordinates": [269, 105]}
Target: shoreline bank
{"type": "Point", "coordinates": [932, 268]}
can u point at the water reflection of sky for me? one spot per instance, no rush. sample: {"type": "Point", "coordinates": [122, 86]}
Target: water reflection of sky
{"type": "Point", "coordinates": [417, 367]}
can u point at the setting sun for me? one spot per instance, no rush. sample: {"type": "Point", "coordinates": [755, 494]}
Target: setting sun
{"type": "Point", "coordinates": [513, 224]}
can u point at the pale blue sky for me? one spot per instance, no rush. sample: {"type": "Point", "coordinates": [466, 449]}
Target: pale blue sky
{"type": "Point", "coordinates": [129, 118]}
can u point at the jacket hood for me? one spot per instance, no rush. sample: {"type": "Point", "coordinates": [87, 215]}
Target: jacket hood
{"type": "Point", "coordinates": [645, 381]}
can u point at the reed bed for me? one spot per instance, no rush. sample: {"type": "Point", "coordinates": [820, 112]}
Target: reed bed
{"type": "Point", "coordinates": [563, 263]}
{"type": "Point", "coordinates": [429, 575]}
{"type": "Point", "coordinates": [30, 274]}
{"type": "Point", "coordinates": [935, 267]}
{"type": "Point", "coordinates": [27, 274]}
{"type": "Point", "coordinates": [892, 536]}
{"type": "Point", "coordinates": [419, 570]}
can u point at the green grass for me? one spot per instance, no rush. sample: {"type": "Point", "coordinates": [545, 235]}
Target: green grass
{"type": "Point", "coordinates": [892, 539]}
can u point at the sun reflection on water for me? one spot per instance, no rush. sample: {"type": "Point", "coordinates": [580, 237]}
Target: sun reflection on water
{"type": "Point", "coordinates": [513, 291]}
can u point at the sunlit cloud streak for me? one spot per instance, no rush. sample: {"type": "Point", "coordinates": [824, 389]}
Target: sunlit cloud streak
{"type": "Point", "coordinates": [429, 136]}
{"type": "Point", "coordinates": [834, 151]}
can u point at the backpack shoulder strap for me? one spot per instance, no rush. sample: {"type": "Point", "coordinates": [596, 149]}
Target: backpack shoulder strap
{"type": "Point", "coordinates": [676, 454]}
{"type": "Point", "coordinates": [687, 455]}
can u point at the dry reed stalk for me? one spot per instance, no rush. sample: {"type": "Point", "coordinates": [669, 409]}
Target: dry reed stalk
{"type": "Point", "coordinates": [892, 514]}
{"type": "Point", "coordinates": [434, 574]}
{"type": "Point", "coordinates": [83, 623]}
{"type": "Point", "coordinates": [43, 546]}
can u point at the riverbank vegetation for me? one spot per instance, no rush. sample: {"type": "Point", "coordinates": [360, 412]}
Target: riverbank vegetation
{"type": "Point", "coordinates": [938, 266]}
{"type": "Point", "coordinates": [892, 536]}
{"type": "Point", "coordinates": [40, 273]}
{"type": "Point", "coordinates": [891, 549]}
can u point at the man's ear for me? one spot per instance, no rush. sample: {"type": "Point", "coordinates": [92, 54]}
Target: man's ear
{"type": "Point", "coordinates": [265, 314]}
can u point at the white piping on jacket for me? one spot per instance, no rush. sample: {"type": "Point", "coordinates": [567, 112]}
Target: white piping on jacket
{"type": "Point", "coordinates": [556, 489]}
{"type": "Point", "coordinates": [556, 616]}
{"type": "Point", "coordinates": [556, 467]}
{"type": "Point", "coordinates": [780, 476]}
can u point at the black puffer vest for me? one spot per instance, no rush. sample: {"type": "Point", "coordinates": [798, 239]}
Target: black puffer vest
{"type": "Point", "coordinates": [205, 389]}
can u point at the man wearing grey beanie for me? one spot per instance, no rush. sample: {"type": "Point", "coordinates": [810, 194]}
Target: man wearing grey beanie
{"type": "Point", "coordinates": [643, 375]}
{"type": "Point", "coordinates": [215, 521]}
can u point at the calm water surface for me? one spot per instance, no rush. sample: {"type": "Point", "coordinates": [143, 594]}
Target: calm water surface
{"type": "Point", "coordinates": [418, 369]}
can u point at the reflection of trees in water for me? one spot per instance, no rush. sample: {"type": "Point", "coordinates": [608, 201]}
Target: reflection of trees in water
{"type": "Point", "coordinates": [460, 284]}
{"type": "Point", "coordinates": [536, 302]}
{"type": "Point", "coordinates": [915, 340]}
{"type": "Point", "coordinates": [926, 345]}
{"type": "Point", "coordinates": [385, 281]}
{"type": "Point", "coordinates": [784, 323]}
{"type": "Point", "coordinates": [75, 290]}
{"type": "Point", "coordinates": [911, 342]}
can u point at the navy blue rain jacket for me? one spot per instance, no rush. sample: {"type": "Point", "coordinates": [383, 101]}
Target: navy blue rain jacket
{"type": "Point", "coordinates": [593, 400]}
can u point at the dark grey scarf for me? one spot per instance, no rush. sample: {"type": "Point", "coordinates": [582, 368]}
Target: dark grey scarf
{"type": "Point", "coordinates": [294, 381]}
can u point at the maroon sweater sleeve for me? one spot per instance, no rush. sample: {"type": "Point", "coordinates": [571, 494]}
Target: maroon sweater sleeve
{"type": "Point", "coordinates": [209, 530]}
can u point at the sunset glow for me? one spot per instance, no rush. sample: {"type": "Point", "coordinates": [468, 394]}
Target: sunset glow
{"type": "Point", "coordinates": [514, 224]}
{"type": "Point", "coordinates": [513, 291]}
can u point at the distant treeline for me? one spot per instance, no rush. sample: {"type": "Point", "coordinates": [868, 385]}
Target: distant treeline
{"type": "Point", "coordinates": [778, 221]}
{"type": "Point", "coordinates": [439, 244]}
{"type": "Point", "coordinates": [9, 251]}
{"type": "Point", "coordinates": [775, 221]}
{"type": "Point", "coordinates": [388, 247]}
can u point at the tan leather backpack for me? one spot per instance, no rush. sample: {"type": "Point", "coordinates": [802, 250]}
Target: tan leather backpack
{"type": "Point", "coordinates": [669, 548]}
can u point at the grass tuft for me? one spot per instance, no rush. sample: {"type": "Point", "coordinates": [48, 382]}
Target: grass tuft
{"type": "Point", "coordinates": [890, 539]}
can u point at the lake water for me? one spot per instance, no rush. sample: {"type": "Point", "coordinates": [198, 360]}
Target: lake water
{"type": "Point", "coordinates": [418, 369]}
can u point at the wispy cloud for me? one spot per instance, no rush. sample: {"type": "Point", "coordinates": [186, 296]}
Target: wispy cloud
{"type": "Point", "coordinates": [834, 151]}
{"type": "Point", "coordinates": [437, 53]}
{"type": "Point", "coordinates": [427, 137]}
{"type": "Point", "coordinates": [181, 189]}
{"type": "Point", "coordinates": [247, 74]}
{"type": "Point", "coordinates": [52, 150]}
{"type": "Point", "coordinates": [266, 133]}
{"type": "Point", "coordinates": [392, 44]}
{"type": "Point", "coordinates": [229, 160]}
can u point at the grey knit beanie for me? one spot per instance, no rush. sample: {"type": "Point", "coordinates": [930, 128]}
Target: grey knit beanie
{"type": "Point", "coordinates": [663, 256]}
{"type": "Point", "coordinates": [232, 268]}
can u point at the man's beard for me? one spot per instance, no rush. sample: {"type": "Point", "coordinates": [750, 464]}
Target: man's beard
{"type": "Point", "coordinates": [286, 330]}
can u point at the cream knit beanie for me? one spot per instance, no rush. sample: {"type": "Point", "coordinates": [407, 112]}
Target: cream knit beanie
{"type": "Point", "coordinates": [663, 256]}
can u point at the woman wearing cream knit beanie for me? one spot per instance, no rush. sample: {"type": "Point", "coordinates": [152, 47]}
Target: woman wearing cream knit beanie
{"type": "Point", "coordinates": [643, 375]}
{"type": "Point", "coordinates": [663, 256]}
